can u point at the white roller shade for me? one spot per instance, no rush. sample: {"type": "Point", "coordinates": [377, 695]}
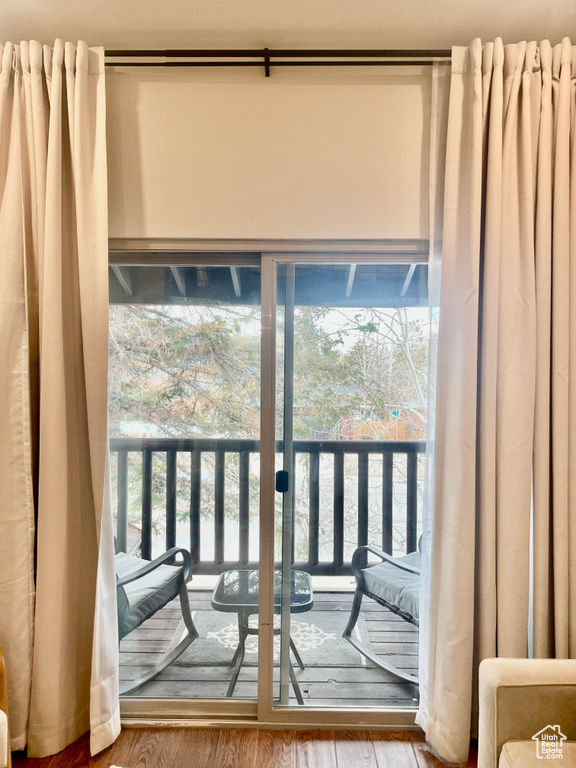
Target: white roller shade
{"type": "Point", "coordinates": [303, 154]}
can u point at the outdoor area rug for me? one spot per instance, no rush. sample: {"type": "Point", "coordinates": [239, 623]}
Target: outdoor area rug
{"type": "Point", "coordinates": [316, 634]}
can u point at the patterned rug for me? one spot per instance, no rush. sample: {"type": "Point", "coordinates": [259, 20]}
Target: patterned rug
{"type": "Point", "coordinates": [316, 634]}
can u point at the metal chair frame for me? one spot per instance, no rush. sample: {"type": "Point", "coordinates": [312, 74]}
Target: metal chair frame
{"type": "Point", "coordinates": [192, 633]}
{"type": "Point", "coordinates": [358, 563]}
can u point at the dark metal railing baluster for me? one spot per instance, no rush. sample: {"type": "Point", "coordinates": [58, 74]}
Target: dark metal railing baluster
{"type": "Point", "coordinates": [171, 492]}
{"type": "Point", "coordinates": [411, 500]}
{"type": "Point", "coordinates": [195, 486]}
{"type": "Point", "coordinates": [244, 507]}
{"type": "Point", "coordinates": [147, 504]}
{"type": "Point", "coordinates": [122, 501]}
{"type": "Point", "coordinates": [338, 510]}
{"type": "Point", "coordinates": [314, 516]}
{"type": "Point", "coordinates": [387, 500]}
{"type": "Point", "coordinates": [219, 506]}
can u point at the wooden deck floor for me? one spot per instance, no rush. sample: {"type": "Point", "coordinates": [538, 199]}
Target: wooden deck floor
{"type": "Point", "coordinates": [321, 684]}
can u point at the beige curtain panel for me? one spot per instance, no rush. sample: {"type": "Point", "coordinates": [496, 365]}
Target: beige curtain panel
{"type": "Point", "coordinates": [57, 610]}
{"type": "Point", "coordinates": [506, 406]}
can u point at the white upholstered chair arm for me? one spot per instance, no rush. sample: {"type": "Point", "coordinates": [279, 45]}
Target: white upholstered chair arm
{"type": "Point", "coordinates": [519, 697]}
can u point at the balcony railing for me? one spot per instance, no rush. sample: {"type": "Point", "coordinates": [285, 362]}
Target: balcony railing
{"type": "Point", "coordinates": [245, 450]}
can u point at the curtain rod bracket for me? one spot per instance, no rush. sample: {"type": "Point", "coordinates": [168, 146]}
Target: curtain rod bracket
{"type": "Point", "coordinates": [267, 62]}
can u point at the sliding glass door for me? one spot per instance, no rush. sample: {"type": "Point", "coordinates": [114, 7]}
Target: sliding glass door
{"type": "Point", "coordinates": [268, 414]}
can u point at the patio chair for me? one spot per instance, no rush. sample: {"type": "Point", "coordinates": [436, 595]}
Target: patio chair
{"type": "Point", "coordinates": [143, 588]}
{"type": "Point", "coordinates": [394, 583]}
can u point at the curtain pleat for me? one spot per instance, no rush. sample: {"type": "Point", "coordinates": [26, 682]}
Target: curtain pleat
{"type": "Point", "coordinates": [16, 464]}
{"type": "Point", "coordinates": [506, 418]}
{"type": "Point", "coordinates": [56, 148]}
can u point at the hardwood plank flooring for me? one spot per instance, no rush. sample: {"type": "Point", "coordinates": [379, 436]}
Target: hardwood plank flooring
{"type": "Point", "coordinates": [276, 748]}
{"type": "Point", "coordinates": [393, 749]}
{"type": "Point", "coordinates": [197, 751]}
{"type": "Point", "coordinates": [236, 747]}
{"type": "Point", "coordinates": [355, 748]}
{"type": "Point", "coordinates": [176, 747]}
{"type": "Point", "coordinates": [314, 749]}
{"type": "Point", "coordinates": [323, 685]}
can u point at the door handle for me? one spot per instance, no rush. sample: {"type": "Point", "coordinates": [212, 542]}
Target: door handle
{"type": "Point", "coordinates": [282, 481]}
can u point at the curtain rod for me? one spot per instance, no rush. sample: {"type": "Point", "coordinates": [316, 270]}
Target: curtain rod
{"type": "Point", "coordinates": [314, 57]}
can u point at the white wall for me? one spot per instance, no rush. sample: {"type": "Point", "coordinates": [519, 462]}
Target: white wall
{"type": "Point", "coordinates": [282, 24]}
{"type": "Point", "coordinates": [304, 154]}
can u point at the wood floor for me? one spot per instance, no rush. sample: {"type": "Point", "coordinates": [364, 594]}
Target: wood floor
{"type": "Point", "coordinates": [322, 685]}
{"type": "Point", "coordinates": [248, 748]}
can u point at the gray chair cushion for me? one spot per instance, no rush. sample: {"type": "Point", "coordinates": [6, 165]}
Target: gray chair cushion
{"type": "Point", "coordinates": [139, 599]}
{"type": "Point", "coordinates": [395, 586]}
{"type": "Point", "coordinates": [522, 754]}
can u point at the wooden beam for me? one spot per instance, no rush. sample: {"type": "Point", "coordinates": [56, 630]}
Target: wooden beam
{"type": "Point", "coordinates": [409, 276]}
{"type": "Point", "coordinates": [178, 276]}
{"type": "Point", "coordinates": [236, 281]}
{"type": "Point", "coordinates": [351, 275]}
{"type": "Point", "coordinates": [123, 278]}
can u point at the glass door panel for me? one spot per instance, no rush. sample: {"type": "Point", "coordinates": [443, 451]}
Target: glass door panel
{"type": "Point", "coordinates": [351, 371]}
{"type": "Point", "coordinates": [185, 429]}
